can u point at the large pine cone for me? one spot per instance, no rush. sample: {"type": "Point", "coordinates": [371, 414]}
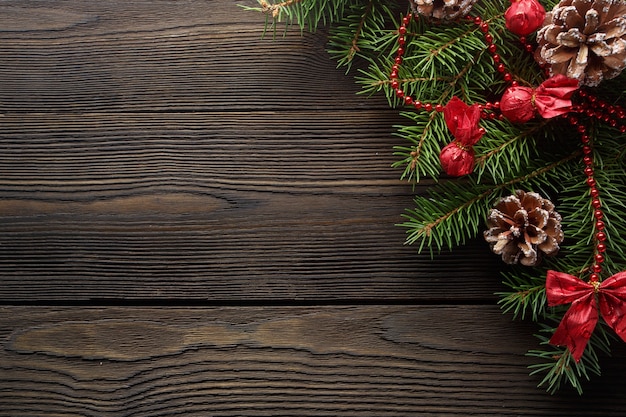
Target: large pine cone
{"type": "Point", "coordinates": [522, 227]}
{"type": "Point", "coordinates": [442, 9]}
{"type": "Point", "coordinates": [584, 39]}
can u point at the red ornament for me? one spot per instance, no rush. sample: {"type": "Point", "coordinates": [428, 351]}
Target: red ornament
{"type": "Point", "coordinates": [516, 104]}
{"type": "Point", "coordinates": [457, 158]}
{"type": "Point", "coordinates": [550, 99]}
{"type": "Point", "coordinates": [523, 17]}
{"type": "Point", "coordinates": [578, 323]}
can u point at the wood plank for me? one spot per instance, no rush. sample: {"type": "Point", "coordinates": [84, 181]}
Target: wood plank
{"type": "Point", "coordinates": [140, 55]}
{"type": "Point", "coordinates": [332, 361]}
{"type": "Point", "coordinates": [215, 206]}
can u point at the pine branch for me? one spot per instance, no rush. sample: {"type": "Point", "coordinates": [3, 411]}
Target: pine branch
{"type": "Point", "coordinates": [559, 367]}
{"type": "Point", "coordinates": [427, 134]}
{"type": "Point", "coordinates": [454, 210]}
{"type": "Point", "coordinates": [309, 14]}
{"type": "Point", "coordinates": [345, 53]}
{"type": "Point", "coordinates": [506, 148]}
{"type": "Point", "coordinates": [528, 297]}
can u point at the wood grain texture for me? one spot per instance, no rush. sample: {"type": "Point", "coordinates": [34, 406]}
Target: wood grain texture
{"type": "Point", "coordinates": [162, 153]}
{"type": "Point", "coordinates": [214, 206]}
{"type": "Point", "coordinates": [280, 188]}
{"type": "Point", "coordinates": [161, 56]}
{"type": "Point", "coordinates": [332, 361]}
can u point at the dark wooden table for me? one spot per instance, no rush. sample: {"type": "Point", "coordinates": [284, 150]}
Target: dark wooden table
{"type": "Point", "coordinates": [197, 221]}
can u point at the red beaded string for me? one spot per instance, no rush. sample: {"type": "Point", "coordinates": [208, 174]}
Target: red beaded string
{"type": "Point", "coordinates": [395, 84]}
{"type": "Point", "coordinates": [592, 106]}
{"type": "Point", "coordinates": [614, 116]}
{"type": "Point", "coordinates": [492, 48]}
{"type": "Point", "coordinates": [488, 110]}
{"type": "Point", "coordinates": [596, 203]}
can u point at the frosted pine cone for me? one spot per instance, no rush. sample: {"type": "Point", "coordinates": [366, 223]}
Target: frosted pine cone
{"type": "Point", "coordinates": [584, 39]}
{"type": "Point", "coordinates": [522, 227]}
{"type": "Point", "coordinates": [442, 9]}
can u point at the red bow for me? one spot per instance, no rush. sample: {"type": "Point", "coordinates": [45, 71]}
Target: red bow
{"type": "Point", "coordinates": [552, 97]}
{"type": "Point", "coordinates": [578, 323]}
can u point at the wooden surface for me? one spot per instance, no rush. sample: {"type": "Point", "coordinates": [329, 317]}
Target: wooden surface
{"type": "Point", "coordinates": [197, 221]}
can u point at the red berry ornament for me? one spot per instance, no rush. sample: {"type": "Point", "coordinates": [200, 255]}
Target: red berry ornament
{"type": "Point", "coordinates": [524, 17]}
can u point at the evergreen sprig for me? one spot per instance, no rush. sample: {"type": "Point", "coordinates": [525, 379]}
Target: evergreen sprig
{"type": "Point", "coordinates": [445, 60]}
{"type": "Point", "coordinates": [559, 367]}
{"type": "Point", "coordinates": [427, 134]}
{"type": "Point", "coordinates": [451, 213]}
{"type": "Point", "coordinates": [359, 32]}
{"type": "Point", "coordinates": [307, 14]}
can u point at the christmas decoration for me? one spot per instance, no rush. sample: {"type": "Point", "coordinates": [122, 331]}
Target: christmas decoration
{"type": "Point", "coordinates": [457, 158]}
{"type": "Point", "coordinates": [530, 111]}
{"type": "Point", "coordinates": [578, 323]}
{"type": "Point", "coordinates": [522, 227]}
{"type": "Point", "coordinates": [585, 40]}
{"type": "Point", "coordinates": [523, 17]}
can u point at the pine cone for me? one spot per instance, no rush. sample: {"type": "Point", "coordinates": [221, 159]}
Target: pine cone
{"type": "Point", "coordinates": [442, 9]}
{"type": "Point", "coordinates": [522, 227]}
{"type": "Point", "coordinates": [584, 39]}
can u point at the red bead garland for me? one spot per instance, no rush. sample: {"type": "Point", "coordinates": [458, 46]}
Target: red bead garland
{"type": "Point", "coordinates": [592, 106]}
{"type": "Point", "coordinates": [490, 110]}
{"type": "Point", "coordinates": [492, 48]}
{"type": "Point", "coordinates": [596, 203]}
{"type": "Point", "coordinates": [395, 83]}
{"type": "Point", "coordinates": [615, 116]}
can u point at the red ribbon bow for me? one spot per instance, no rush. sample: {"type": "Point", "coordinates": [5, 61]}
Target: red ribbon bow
{"type": "Point", "coordinates": [579, 321]}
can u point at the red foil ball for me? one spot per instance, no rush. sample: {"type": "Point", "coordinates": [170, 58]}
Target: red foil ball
{"type": "Point", "coordinates": [517, 104]}
{"type": "Point", "coordinates": [523, 17]}
{"type": "Point", "coordinates": [457, 160]}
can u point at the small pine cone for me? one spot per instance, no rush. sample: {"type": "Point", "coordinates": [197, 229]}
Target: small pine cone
{"type": "Point", "coordinates": [584, 40]}
{"type": "Point", "coordinates": [522, 227]}
{"type": "Point", "coordinates": [442, 9]}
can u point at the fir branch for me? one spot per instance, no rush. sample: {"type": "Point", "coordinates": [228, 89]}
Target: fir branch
{"type": "Point", "coordinates": [443, 51]}
{"type": "Point", "coordinates": [452, 214]}
{"type": "Point", "coordinates": [528, 296]}
{"type": "Point", "coordinates": [275, 9]}
{"type": "Point", "coordinates": [426, 134]}
{"type": "Point", "coordinates": [507, 145]}
{"type": "Point", "coordinates": [359, 31]}
{"type": "Point", "coordinates": [559, 366]}
{"type": "Point", "coordinates": [377, 84]}
{"type": "Point", "coordinates": [354, 45]}
{"type": "Point", "coordinates": [305, 13]}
